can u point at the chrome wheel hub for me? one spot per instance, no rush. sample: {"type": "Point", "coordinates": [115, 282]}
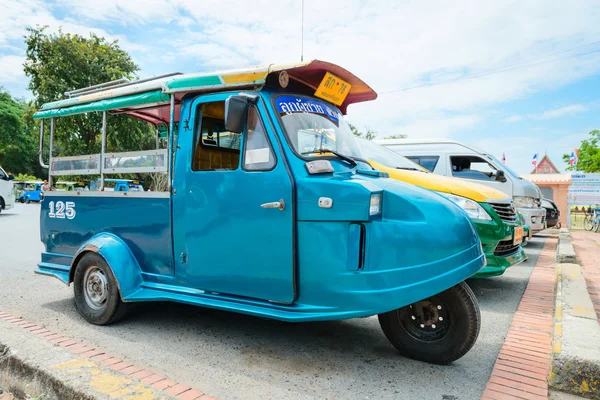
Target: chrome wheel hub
{"type": "Point", "coordinates": [95, 288]}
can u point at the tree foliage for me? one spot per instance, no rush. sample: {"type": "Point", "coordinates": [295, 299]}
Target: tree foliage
{"type": "Point", "coordinates": [62, 62]}
{"type": "Point", "coordinates": [17, 145]}
{"type": "Point", "coordinates": [369, 134]}
{"type": "Point", "coordinates": [589, 154]}
{"type": "Point", "coordinates": [397, 136]}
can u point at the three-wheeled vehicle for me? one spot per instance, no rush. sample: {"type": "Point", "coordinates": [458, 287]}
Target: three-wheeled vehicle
{"type": "Point", "coordinates": [256, 220]}
{"type": "Point", "coordinates": [123, 185]}
{"type": "Point", "coordinates": [31, 191]}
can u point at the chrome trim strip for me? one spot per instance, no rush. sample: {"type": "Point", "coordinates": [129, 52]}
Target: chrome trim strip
{"type": "Point", "coordinates": [161, 195]}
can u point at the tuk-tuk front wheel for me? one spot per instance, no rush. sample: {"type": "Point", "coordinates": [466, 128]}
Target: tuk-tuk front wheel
{"type": "Point", "coordinates": [437, 330]}
{"type": "Point", "coordinates": [27, 200]}
{"type": "Point", "coordinates": [96, 291]}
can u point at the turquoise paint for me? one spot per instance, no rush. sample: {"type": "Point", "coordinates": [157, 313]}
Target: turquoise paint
{"type": "Point", "coordinates": [133, 100]}
{"type": "Point", "coordinates": [192, 82]}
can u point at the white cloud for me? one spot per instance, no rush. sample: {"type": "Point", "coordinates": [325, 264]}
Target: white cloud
{"type": "Point", "coordinates": [548, 114]}
{"type": "Point", "coordinates": [391, 45]}
{"type": "Point", "coordinates": [11, 68]}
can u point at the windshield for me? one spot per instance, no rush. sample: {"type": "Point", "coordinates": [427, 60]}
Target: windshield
{"type": "Point", "coordinates": [313, 126]}
{"type": "Point", "coordinates": [386, 157]}
{"type": "Point", "coordinates": [504, 166]}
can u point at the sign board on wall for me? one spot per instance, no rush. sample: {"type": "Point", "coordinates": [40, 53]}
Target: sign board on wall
{"type": "Point", "coordinates": [584, 189]}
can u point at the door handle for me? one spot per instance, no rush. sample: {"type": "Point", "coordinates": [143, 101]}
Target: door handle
{"type": "Point", "coordinates": [276, 204]}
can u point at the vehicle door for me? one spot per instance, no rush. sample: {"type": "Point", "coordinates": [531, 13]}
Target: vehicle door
{"type": "Point", "coordinates": [234, 219]}
{"type": "Point", "coordinates": [476, 169]}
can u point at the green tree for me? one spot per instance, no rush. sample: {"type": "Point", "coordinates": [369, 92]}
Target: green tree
{"type": "Point", "coordinates": [589, 154]}
{"type": "Point", "coordinates": [58, 63]}
{"type": "Point", "coordinates": [17, 147]}
{"type": "Point", "coordinates": [369, 134]}
{"type": "Point", "coordinates": [397, 136]}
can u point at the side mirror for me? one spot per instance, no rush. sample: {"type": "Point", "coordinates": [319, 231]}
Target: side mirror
{"type": "Point", "coordinates": [500, 176]}
{"type": "Point", "coordinates": [236, 109]}
{"type": "Point", "coordinates": [11, 177]}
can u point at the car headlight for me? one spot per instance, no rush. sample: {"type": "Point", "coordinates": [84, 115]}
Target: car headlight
{"type": "Point", "coordinates": [472, 208]}
{"type": "Point", "coordinates": [375, 204]}
{"type": "Point", "coordinates": [523, 201]}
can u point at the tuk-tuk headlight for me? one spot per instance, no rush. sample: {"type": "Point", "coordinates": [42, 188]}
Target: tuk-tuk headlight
{"type": "Point", "coordinates": [472, 208]}
{"type": "Point", "coordinates": [375, 204]}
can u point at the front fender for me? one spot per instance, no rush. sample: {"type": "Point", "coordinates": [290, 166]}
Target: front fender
{"type": "Point", "coordinates": [119, 258]}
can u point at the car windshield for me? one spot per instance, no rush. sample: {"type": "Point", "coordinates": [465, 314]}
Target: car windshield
{"type": "Point", "coordinates": [313, 126]}
{"type": "Point", "coordinates": [504, 166]}
{"type": "Point", "coordinates": [386, 157]}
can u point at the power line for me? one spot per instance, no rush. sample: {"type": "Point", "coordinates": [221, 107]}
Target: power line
{"type": "Point", "coordinates": [498, 70]}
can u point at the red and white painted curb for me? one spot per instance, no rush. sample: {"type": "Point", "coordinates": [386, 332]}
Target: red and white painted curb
{"type": "Point", "coordinates": [82, 349]}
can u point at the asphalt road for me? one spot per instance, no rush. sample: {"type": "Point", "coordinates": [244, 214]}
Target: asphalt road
{"type": "Point", "coordinates": [233, 356]}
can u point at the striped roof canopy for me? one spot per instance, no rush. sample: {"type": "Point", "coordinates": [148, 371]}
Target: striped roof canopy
{"type": "Point", "coordinates": [149, 99]}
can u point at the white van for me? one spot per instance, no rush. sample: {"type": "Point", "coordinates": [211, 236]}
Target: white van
{"type": "Point", "coordinates": [451, 158]}
{"type": "Point", "coordinates": [7, 191]}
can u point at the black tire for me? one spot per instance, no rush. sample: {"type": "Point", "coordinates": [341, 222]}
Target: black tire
{"type": "Point", "coordinates": [1, 205]}
{"type": "Point", "coordinates": [100, 304]}
{"type": "Point", "coordinates": [447, 338]}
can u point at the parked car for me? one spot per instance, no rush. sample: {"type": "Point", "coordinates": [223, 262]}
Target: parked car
{"type": "Point", "coordinates": [7, 192]}
{"type": "Point", "coordinates": [451, 158]}
{"type": "Point", "coordinates": [552, 213]}
{"type": "Point", "coordinates": [491, 211]}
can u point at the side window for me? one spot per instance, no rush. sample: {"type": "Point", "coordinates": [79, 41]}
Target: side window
{"type": "Point", "coordinates": [2, 174]}
{"type": "Point", "coordinates": [428, 162]}
{"type": "Point", "coordinates": [258, 155]}
{"type": "Point", "coordinates": [472, 167]}
{"type": "Point", "coordinates": [215, 148]}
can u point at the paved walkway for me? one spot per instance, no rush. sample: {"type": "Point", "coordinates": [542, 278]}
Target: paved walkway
{"type": "Point", "coordinates": [587, 248]}
{"type": "Point", "coordinates": [524, 362]}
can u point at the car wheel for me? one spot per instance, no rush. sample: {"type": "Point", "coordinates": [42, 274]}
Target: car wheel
{"type": "Point", "coordinates": [97, 295]}
{"type": "Point", "coordinates": [437, 330]}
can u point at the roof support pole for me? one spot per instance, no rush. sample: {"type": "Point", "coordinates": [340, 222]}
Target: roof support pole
{"type": "Point", "coordinates": [102, 150]}
{"type": "Point", "coordinates": [41, 153]}
{"type": "Point", "coordinates": [171, 130]}
{"type": "Point", "coordinates": [157, 133]}
{"type": "Point", "coordinates": [52, 123]}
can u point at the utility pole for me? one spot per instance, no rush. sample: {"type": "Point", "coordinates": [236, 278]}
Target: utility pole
{"type": "Point", "coordinates": [302, 35]}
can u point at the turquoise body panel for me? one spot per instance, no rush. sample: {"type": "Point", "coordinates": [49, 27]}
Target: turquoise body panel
{"type": "Point", "coordinates": [210, 242]}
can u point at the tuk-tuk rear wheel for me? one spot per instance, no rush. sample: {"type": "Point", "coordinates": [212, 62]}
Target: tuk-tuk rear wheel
{"type": "Point", "coordinates": [438, 330]}
{"type": "Point", "coordinates": [96, 291]}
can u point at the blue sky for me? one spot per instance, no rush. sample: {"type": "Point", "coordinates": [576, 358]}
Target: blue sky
{"type": "Point", "coordinates": [518, 109]}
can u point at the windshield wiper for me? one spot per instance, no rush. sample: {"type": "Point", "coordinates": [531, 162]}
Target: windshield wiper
{"type": "Point", "coordinates": [348, 159]}
{"type": "Point", "coordinates": [409, 168]}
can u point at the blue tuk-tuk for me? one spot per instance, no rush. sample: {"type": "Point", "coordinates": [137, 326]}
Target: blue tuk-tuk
{"type": "Point", "coordinates": [30, 191]}
{"type": "Point", "coordinates": [255, 218]}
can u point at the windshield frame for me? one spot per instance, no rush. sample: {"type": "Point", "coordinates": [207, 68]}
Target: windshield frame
{"type": "Point", "coordinates": [273, 98]}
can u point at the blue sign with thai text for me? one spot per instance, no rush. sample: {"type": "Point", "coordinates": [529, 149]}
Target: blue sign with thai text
{"type": "Point", "coordinates": [294, 104]}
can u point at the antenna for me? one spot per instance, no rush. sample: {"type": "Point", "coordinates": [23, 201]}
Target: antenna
{"type": "Point", "coordinates": [302, 40]}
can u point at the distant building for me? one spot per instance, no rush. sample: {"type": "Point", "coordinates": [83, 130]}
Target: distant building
{"type": "Point", "coordinates": [553, 184]}
{"type": "Point", "coordinates": [545, 166]}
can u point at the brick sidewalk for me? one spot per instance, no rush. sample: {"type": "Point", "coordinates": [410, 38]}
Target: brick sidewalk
{"type": "Point", "coordinates": [587, 249]}
{"type": "Point", "coordinates": [98, 356]}
{"type": "Point", "coordinates": [524, 362]}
